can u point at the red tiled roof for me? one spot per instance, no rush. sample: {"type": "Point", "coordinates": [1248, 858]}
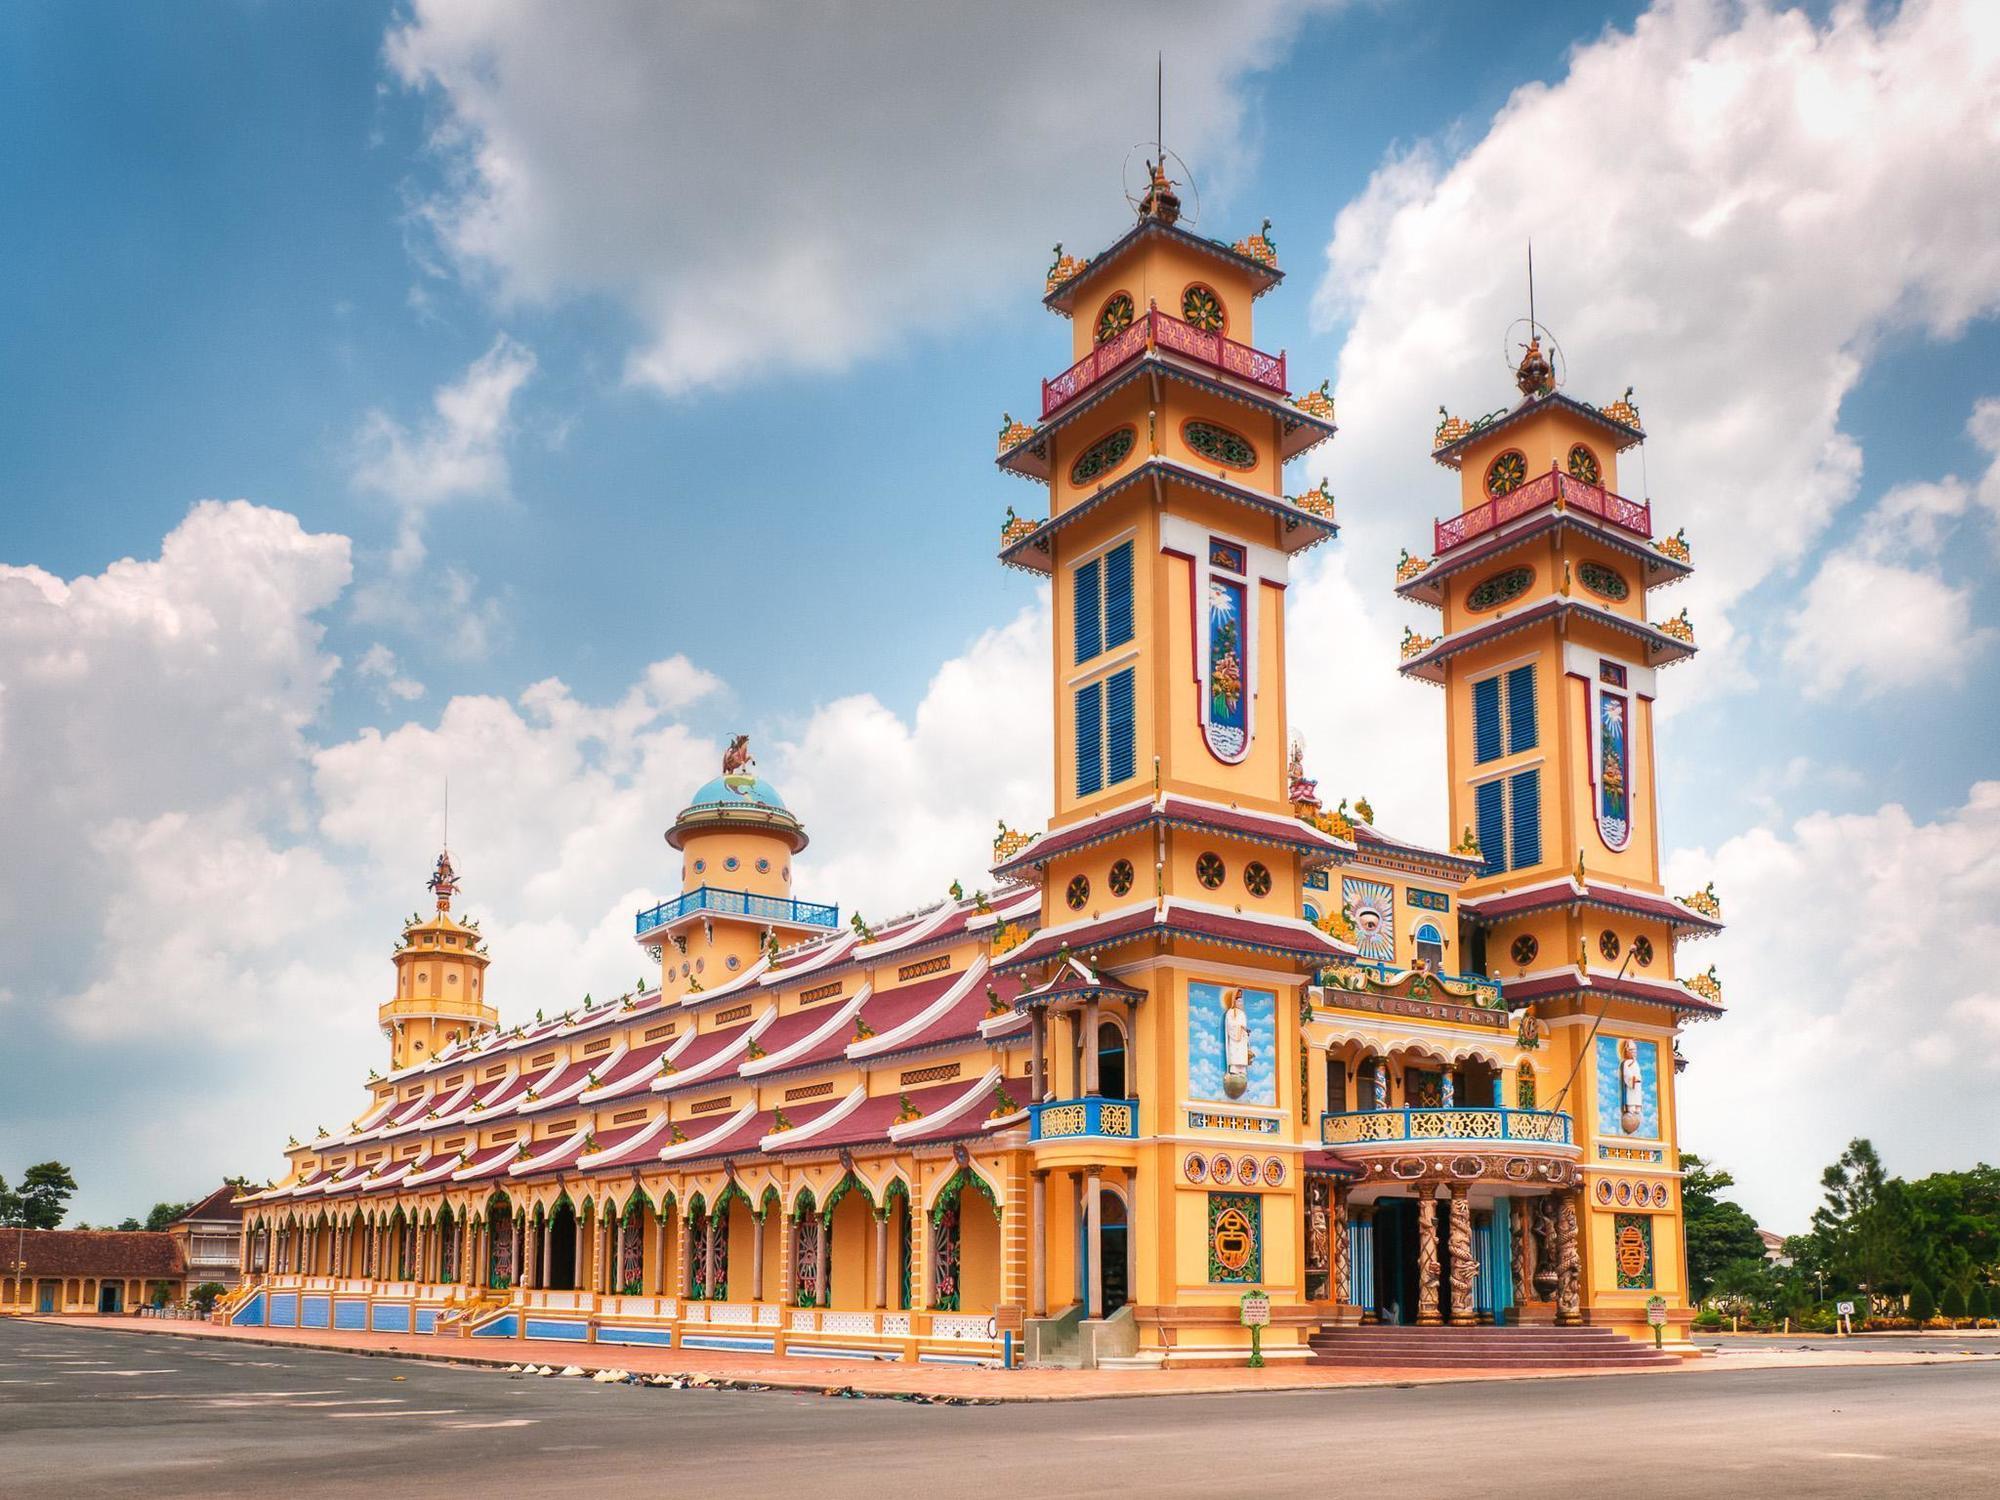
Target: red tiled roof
{"type": "Point", "coordinates": [1365, 834]}
{"type": "Point", "coordinates": [1175, 811]}
{"type": "Point", "coordinates": [631, 1074]}
{"type": "Point", "coordinates": [961, 1022]}
{"type": "Point", "coordinates": [220, 1204]}
{"type": "Point", "coordinates": [873, 1117]}
{"type": "Point", "coordinates": [1565, 893]}
{"type": "Point", "coordinates": [1326, 1161]}
{"type": "Point", "coordinates": [1267, 934]}
{"type": "Point", "coordinates": [1523, 991]}
{"type": "Point", "coordinates": [107, 1253]}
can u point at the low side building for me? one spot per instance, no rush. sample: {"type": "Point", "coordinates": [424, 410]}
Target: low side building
{"type": "Point", "coordinates": [87, 1270]}
{"type": "Point", "coordinates": [210, 1236]}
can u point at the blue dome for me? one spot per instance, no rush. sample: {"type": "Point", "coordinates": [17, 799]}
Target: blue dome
{"type": "Point", "coordinates": [738, 791]}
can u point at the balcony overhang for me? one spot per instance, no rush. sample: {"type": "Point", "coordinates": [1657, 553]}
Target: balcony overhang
{"type": "Point", "coordinates": [713, 901]}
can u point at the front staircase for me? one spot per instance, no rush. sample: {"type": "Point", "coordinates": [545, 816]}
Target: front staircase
{"type": "Point", "coordinates": [1534, 1347]}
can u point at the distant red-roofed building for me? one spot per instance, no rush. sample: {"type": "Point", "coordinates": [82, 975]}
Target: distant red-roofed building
{"type": "Point", "coordinates": [88, 1270]}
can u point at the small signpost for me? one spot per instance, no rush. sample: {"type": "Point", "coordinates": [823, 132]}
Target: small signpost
{"type": "Point", "coordinates": [1656, 1314]}
{"type": "Point", "coordinates": [1845, 1310]}
{"type": "Point", "coordinates": [1256, 1318]}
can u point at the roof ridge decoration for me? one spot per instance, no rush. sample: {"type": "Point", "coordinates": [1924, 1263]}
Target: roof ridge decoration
{"type": "Point", "coordinates": [1675, 546]}
{"type": "Point", "coordinates": [1260, 247]}
{"type": "Point", "coordinates": [1064, 268]}
{"type": "Point", "coordinates": [1317, 402]}
{"type": "Point", "coordinates": [1680, 627]}
{"type": "Point", "coordinates": [1704, 902]}
{"type": "Point", "coordinates": [1009, 842]}
{"type": "Point", "coordinates": [1707, 985]}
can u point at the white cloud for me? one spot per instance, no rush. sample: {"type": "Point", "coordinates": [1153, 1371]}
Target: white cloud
{"type": "Point", "coordinates": [379, 664]}
{"type": "Point", "coordinates": [1861, 999]}
{"type": "Point", "coordinates": [800, 195]}
{"type": "Point", "coordinates": [1730, 207]}
{"type": "Point", "coordinates": [1984, 428]}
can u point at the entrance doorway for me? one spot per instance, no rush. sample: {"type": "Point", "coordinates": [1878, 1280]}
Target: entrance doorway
{"type": "Point", "coordinates": [1396, 1278]}
{"type": "Point", "coordinates": [562, 1248]}
{"type": "Point", "coordinates": [1113, 1234]}
{"type": "Point", "coordinates": [45, 1297]}
{"type": "Point", "coordinates": [111, 1297]}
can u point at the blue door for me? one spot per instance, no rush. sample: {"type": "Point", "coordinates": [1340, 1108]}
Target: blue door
{"type": "Point", "coordinates": [48, 1298]}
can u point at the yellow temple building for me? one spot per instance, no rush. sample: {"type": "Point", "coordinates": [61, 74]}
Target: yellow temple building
{"type": "Point", "coordinates": [1205, 1053]}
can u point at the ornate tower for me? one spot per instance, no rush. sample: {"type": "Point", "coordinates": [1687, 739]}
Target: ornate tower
{"type": "Point", "coordinates": [1550, 670]}
{"type": "Point", "coordinates": [440, 981]}
{"type": "Point", "coordinates": [736, 840]}
{"type": "Point", "coordinates": [1171, 956]}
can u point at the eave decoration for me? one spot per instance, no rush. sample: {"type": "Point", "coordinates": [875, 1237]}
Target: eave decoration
{"type": "Point", "coordinates": [1317, 501]}
{"type": "Point", "coordinates": [1680, 627]}
{"type": "Point", "coordinates": [1317, 402]}
{"type": "Point", "coordinates": [1675, 546]}
{"type": "Point", "coordinates": [1408, 567]}
{"type": "Point", "coordinates": [1012, 433]}
{"type": "Point", "coordinates": [1064, 268]}
{"type": "Point", "coordinates": [1416, 645]}
{"type": "Point", "coordinates": [1259, 247]}
{"type": "Point", "coordinates": [1624, 410]}
{"type": "Point", "coordinates": [1705, 901]}
{"type": "Point", "coordinates": [1707, 985]}
{"type": "Point", "coordinates": [1015, 527]}
{"type": "Point", "coordinates": [1007, 843]}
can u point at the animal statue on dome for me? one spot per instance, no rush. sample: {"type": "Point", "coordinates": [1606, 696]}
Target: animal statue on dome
{"type": "Point", "coordinates": [737, 758]}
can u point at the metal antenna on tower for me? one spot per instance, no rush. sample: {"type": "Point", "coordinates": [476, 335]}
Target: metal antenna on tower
{"type": "Point", "coordinates": [1531, 289]}
{"type": "Point", "coordinates": [1160, 102]}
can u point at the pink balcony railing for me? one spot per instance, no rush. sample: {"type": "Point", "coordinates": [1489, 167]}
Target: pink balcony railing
{"type": "Point", "coordinates": [1544, 490]}
{"type": "Point", "coordinates": [1164, 331]}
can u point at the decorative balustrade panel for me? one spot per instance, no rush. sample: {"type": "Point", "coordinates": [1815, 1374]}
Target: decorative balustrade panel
{"type": "Point", "coordinates": [1628, 515]}
{"type": "Point", "coordinates": [847, 1322]}
{"type": "Point", "coordinates": [1474, 1124]}
{"type": "Point", "coordinates": [1175, 336]}
{"type": "Point", "coordinates": [804, 1321]}
{"type": "Point", "coordinates": [1065, 1119]}
{"type": "Point", "coordinates": [959, 1326]}
{"type": "Point", "coordinates": [896, 1325]}
{"type": "Point", "coordinates": [769, 1315]}
{"type": "Point", "coordinates": [732, 1312]}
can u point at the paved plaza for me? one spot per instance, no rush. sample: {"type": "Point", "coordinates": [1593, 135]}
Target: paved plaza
{"type": "Point", "coordinates": [100, 1411]}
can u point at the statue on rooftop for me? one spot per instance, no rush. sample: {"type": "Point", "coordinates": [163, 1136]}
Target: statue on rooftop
{"type": "Point", "coordinates": [737, 758]}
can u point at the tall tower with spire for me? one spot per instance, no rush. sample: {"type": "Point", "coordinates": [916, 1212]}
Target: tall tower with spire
{"type": "Point", "coordinates": [440, 980]}
{"type": "Point", "coordinates": [1171, 954]}
{"type": "Point", "coordinates": [1550, 668]}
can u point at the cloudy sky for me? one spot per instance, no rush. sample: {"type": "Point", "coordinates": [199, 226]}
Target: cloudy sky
{"type": "Point", "coordinates": [530, 397]}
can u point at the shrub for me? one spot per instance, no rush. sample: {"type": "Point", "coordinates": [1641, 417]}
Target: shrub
{"type": "Point", "coordinates": [1922, 1305]}
{"type": "Point", "coordinates": [1708, 1320]}
{"type": "Point", "coordinates": [1980, 1304]}
{"type": "Point", "coordinates": [1952, 1303]}
{"type": "Point", "coordinates": [205, 1295]}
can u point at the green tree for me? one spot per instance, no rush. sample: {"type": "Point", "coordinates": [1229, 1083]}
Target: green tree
{"type": "Point", "coordinates": [1745, 1286]}
{"type": "Point", "coordinates": [1952, 1303]}
{"type": "Point", "coordinates": [1859, 1233]}
{"type": "Point", "coordinates": [164, 1214]}
{"type": "Point", "coordinates": [10, 1205]}
{"type": "Point", "coordinates": [1923, 1306]}
{"type": "Point", "coordinates": [1719, 1232]}
{"type": "Point", "coordinates": [45, 1193]}
{"type": "Point", "coordinates": [128, 1225]}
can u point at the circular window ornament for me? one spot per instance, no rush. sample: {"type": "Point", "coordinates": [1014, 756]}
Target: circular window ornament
{"type": "Point", "coordinates": [1210, 870]}
{"type": "Point", "coordinates": [1114, 317]}
{"type": "Point", "coordinates": [786, 873]}
{"type": "Point", "coordinates": [1202, 308]}
{"type": "Point", "coordinates": [1078, 892]}
{"type": "Point", "coordinates": [700, 964]}
{"type": "Point", "coordinates": [1607, 944]}
{"type": "Point", "coordinates": [733, 961]}
{"type": "Point", "coordinates": [763, 867]}
{"type": "Point", "coordinates": [700, 865]}
{"type": "Point", "coordinates": [1525, 948]}
{"type": "Point", "coordinates": [1502, 588]}
{"type": "Point", "coordinates": [1104, 455]}
{"type": "Point", "coordinates": [1121, 878]}
{"type": "Point", "coordinates": [729, 863]}
{"type": "Point", "coordinates": [1507, 473]}
{"type": "Point", "coordinates": [1219, 444]}
{"type": "Point", "coordinates": [1223, 1170]}
{"type": "Point", "coordinates": [1583, 465]}
{"type": "Point", "coordinates": [1642, 951]}
{"type": "Point", "coordinates": [1607, 583]}
{"type": "Point", "coordinates": [1256, 879]}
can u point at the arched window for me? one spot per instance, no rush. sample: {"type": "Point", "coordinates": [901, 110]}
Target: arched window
{"type": "Point", "coordinates": [1110, 1060]}
{"type": "Point", "coordinates": [1430, 946]}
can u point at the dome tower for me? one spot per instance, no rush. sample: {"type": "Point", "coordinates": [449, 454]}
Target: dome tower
{"type": "Point", "coordinates": [440, 981]}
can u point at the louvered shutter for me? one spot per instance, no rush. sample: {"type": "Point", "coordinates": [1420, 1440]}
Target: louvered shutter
{"type": "Point", "coordinates": [1490, 806]}
{"type": "Point", "coordinates": [1089, 611]}
{"type": "Point", "coordinates": [1118, 596]}
{"type": "Point", "coordinates": [1524, 791]}
{"type": "Point", "coordinates": [1089, 739]}
{"type": "Point", "coordinates": [1121, 726]}
{"type": "Point", "coordinates": [1486, 720]}
{"type": "Point", "coordinates": [1521, 726]}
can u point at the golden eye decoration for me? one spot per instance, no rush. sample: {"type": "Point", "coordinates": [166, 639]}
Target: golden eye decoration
{"type": "Point", "coordinates": [1202, 308]}
{"type": "Point", "coordinates": [1507, 473]}
{"type": "Point", "coordinates": [1583, 465]}
{"type": "Point", "coordinates": [1115, 318]}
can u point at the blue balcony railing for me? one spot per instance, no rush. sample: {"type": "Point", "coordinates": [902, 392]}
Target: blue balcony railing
{"type": "Point", "coordinates": [1472, 1124]}
{"type": "Point", "coordinates": [723, 903]}
{"type": "Point", "coordinates": [1080, 1119]}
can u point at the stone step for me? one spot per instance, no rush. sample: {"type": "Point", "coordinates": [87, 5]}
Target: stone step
{"type": "Point", "coordinates": [1582, 1347]}
{"type": "Point", "coordinates": [1360, 1361]}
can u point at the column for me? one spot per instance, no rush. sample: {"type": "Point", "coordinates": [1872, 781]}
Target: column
{"type": "Point", "coordinates": [580, 1274]}
{"type": "Point", "coordinates": [1482, 1239]}
{"type": "Point", "coordinates": [686, 1265]}
{"type": "Point", "coordinates": [1078, 1292]}
{"type": "Point", "coordinates": [1464, 1259]}
{"type": "Point", "coordinates": [1131, 1230]}
{"type": "Point", "coordinates": [1038, 1248]}
{"type": "Point", "coordinates": [757, 1257]}
{"type": "Point", "coordinates": [708, 1233]}
{"type": "Point", "coordinates": [1093, 1209]}
{"type": "Point", "coordinates": [1427, 1255]}
{"type": "Point", "coordinates": [788, 1254]}
{"type": "Point", "coordinates": [882, 1257]}
{"type": "Point", "coordinates": [660, 1243]}
{"type": "Point", "coordinates": [824, 1250]}
{"type": "Point", "coordinates": [1361, 1247]}
{"type": "Point", "coordinates": [1090, 1047]}
{"type": "Point", "coordinates": [1340, 1283]}
{"type": "Point", "coordinates": [1569, 1263]}
{"type": "Point", "coordinates": [1038, 1085]}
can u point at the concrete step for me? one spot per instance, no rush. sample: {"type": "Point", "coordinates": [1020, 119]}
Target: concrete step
{"type": "Point", "coordinates": [1542, 1347]}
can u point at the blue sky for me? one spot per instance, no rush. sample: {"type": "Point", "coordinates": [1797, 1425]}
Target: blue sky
{"type": "Point", "coordinates": [599, 386]}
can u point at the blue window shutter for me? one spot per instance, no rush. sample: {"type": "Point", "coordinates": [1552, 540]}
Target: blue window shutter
{"type": "Point", "coordinates": [1490, 806]}
{"type": "Point", "coordinates": [1118, 596]}
{"type": "Point", "coordinates": [1521, 710]}
{"type": "Point", "coordinates": [1121, 726]}
{"type": "Point", "coordinates": [1089, 612]}
{"type": "Point", "coordinates": [1525, 792]}
{"type": "Point", "coordinates": [1486, 720]}
{"type": "Point", "coordinates": [1089, 739]}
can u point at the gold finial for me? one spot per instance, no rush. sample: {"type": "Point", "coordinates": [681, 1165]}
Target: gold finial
{"type": "Point", "coordinates": [1534, 375]}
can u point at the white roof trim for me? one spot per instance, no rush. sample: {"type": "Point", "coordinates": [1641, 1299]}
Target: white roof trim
{"type": "Point", "coordinates": [839, 1017]}
{"type": "Point", "coordinates": [785, 1139]}
{"type": "Point", "coordinates": [889, 1039]}
{"type": "Point", "coordinates": [714, 1064]}
{"type": "Point", "coordinates": [950, 1112]}
{"type": "Point", "coordinates": [638, 1143]}
{"type": "Point", "coordinates": [693, 1147]}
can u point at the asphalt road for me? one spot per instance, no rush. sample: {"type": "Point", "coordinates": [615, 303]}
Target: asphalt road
{"type": "Point", "coordinates": [86, 1412]}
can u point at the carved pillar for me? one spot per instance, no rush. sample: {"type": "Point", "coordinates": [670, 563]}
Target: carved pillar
{"type": "Point", "coordinates": [1569, 1263]}
{"type": "Point", "coordinates": [1038, 1248]}
{"type": "Point", "coordinates": [1340, 1280]}
{"type": "Point", "coordinates": [882, 1257]}
{"type": "Point", "coordinates": [823, 1250]}
{"type": "Point", "coordinates": [1545, 1249]}
{"type": "Point", "coordinates": [1038, 1086]}
{"type": "Point", "coordinates": [1464, 1259]}
{"type": "Point", "coordinates": [1427, 1255]}
{"type": "Point", "coordinates": [1517, 1230]}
